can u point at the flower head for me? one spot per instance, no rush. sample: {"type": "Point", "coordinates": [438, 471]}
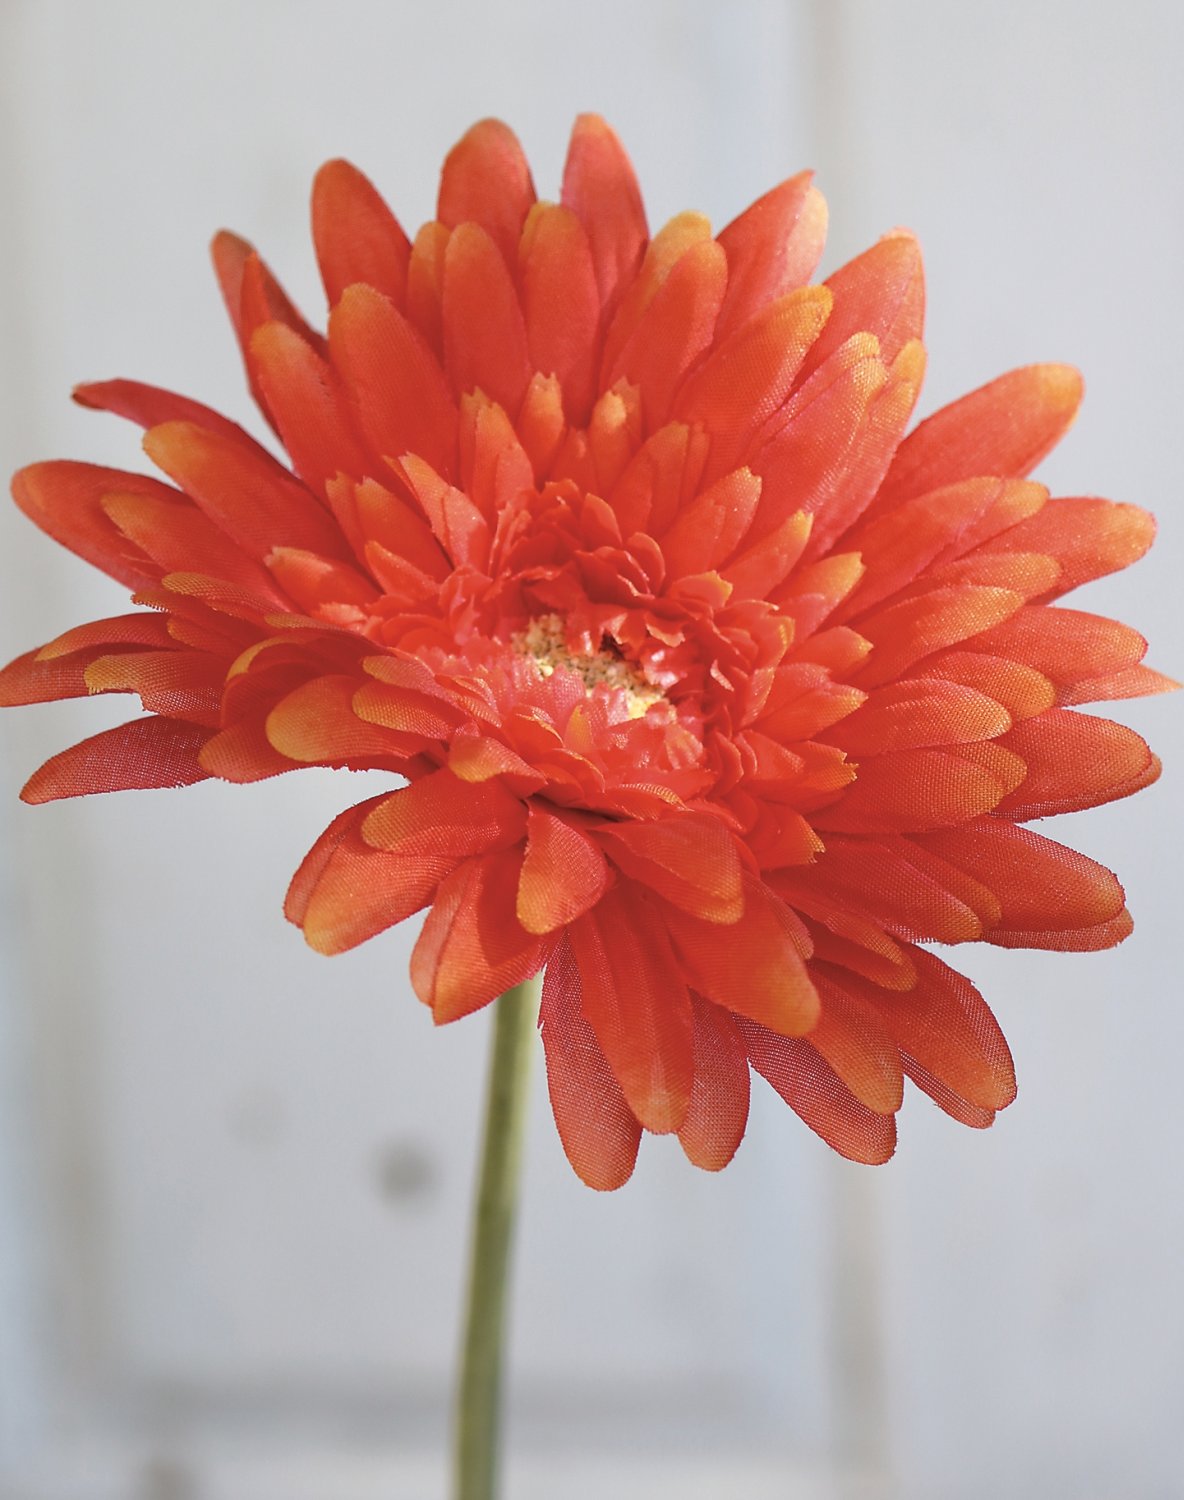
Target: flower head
{"type": "Point", "coordinates": [713, 692]}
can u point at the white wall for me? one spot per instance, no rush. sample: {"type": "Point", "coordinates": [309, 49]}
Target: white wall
{"type": "Point", "coordinates": [234, 1176]}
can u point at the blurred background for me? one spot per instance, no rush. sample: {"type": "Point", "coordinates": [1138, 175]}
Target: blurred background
{"type": "Point", "coordinates": [234, 1176]}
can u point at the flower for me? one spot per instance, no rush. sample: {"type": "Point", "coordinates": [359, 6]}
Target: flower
{"type": "Point", "coordinates": [714, 693]}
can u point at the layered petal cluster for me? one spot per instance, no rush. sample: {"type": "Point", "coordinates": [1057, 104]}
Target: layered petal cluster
{"type": "Point", "coordinates": [700, 683]}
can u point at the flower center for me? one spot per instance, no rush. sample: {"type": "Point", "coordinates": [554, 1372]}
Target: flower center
{"type": "Point", "coordinates": [544, 643]}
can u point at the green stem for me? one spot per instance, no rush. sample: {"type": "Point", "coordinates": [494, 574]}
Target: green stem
{"type": "Point", "coordinates": [478, 1395]}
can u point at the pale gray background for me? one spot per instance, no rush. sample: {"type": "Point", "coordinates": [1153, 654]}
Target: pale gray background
{"type": "Point", "coordinates": [234, 1176]}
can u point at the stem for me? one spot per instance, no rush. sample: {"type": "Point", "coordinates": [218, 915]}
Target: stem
{"type": "Point", "coordinates": [478, 1395]}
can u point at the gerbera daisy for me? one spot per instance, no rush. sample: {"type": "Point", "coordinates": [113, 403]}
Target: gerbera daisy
{"type": "Point", "coordinates": [700, 685]}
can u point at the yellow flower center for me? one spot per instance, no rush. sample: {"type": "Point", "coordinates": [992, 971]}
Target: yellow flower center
{"type": "Point", "coordinates": [544, 642]}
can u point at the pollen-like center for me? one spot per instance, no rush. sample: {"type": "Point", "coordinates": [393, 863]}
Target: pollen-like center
{"type": "Point", "coordinates": [544, 643]}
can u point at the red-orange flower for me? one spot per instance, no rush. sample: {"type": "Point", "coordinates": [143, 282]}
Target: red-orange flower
{"type": "Point", "coordinates": [713, 692]}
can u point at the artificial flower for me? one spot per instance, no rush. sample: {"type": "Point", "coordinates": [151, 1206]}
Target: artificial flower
{"type": "Point", "coordinates": [713, 692]}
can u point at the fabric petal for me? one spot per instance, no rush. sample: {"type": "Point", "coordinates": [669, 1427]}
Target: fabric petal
{"type": "Point", "coordinates": [147, 753]}
{"type": "Point", "coordinates": [690, 860]}
{"type": "Point", "coordinates": [1004, 428]}
{"type": "Point", "coordinates": [394, 380]}
{"type": "Point", "coordinates": [346, 892]}
{"type": "Point", "coordinates": [560, 302]}
{"type": "Point", "coordinates": [439, 814]}
{"type": "Point", "coordinates": [485, 345]}
{"type": "Point", "coordinates": [246, 494]}
{"type": "Point", "coordinates": [600, 187]}
{"type": "Point", "coordinates": [636, 1002]}
{"type": "Point", "coordinates": [818, 1096]}
{"type": "Point", "coordinates": [357, 237]}
{"type": "Point", "coordinates": [718, 1112]}
{"type": "Point", "coordinates": [944, 1024]}
{"type": "Point", "coordinates": [486, 181]}
{"type": "Point", "coordinates": [881, 292]}
{"type": "Point", "coordinates": [758, 970]}
{"type": "Point", "coordinates": [772, 248]}
{"type": "Point", "coordinates": [563, 875]}
{"type": "Point", "coordinates": [472, 947]}
{"type": "Point", "coordinates": [1041, 885]}
{"type": "Point", "coordinates": [1075, 761]}
{"type": "Point", "coordinates": [599, 1132]}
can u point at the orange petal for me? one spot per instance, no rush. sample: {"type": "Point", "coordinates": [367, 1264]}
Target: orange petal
{"type": "Point", "coordinates": [494, 466]}
{"type": "Point", "coordinates": [636, 1002]}
{"type": "Point", "coordinates": [314, 582]}
{"type": "Point", "coordinates": [484, 333]}
{"type": "Point", "coordinates": [746, 378]}
{"type": "Point", "coordinates": [919, 789]}
{"type": "Point", "coordinates": [839, 501]}
{"type": "Point", "coordinates": [1088, 537]}
{"type": "Point", "coordinates": [772, 248]}
{"type": "Point", "coordinates": [148, 406]}
{"type": "Point", "coordinates": [881, 292]}
{"type": "Point", "coordinates": [560, 302]}
{"type": "Point", "coordinates": [316, 724]}
{"type": "Point", "coordinates": [1065, 645]}
{"type": "Point", "coordinates": [691, 861]}
{"type": "Point", "coordinates": [457, 524]}
{"type": "Point", "coordinates": [486, 180]}
{"type": "Point", "coordinates": [437, 814]}
{"type": "Point", "coordinates": [1131, 682]}
{"type": "Point", "coordinates": [904, 633]}
{"type": "Point", "coordinates": [176, 683]}
{"type": "Point", "coordinates": [864, 948]}
{"type": "Point", "coordinates": [1021, 690]}
{"type": "Point", "coordinates": [472, 947]}
{"type": "Point", "coordinates": [600, 187]}
{"type": "Point", "coordinates": [59, 669]}
{"type": "Point", "coordinates": [944, 1024]}
{"type": "Point", "coordinates": [397, 525]}
{"type": "Point", "coordinates": [872, 878]}
{"type": "Point", "coordinates": [709, 530]}
{"type": "Point", "coordinates": [818, 1096]}
{"type": "Point", "coordinates": [345, 892]}
{"type": "Point", "coordinates": [181, 538]}
{"type": "Point", "coordinates": [661, 477]}
{"type": "Point", "coordinates": [1041, 885]}
{"type": "Point", "coordinates": [1069, 939]}
{"type": "Point", "coordinates": [477, 757]}
{"type": "Point", "coordinates": [144, 754]}
{"type": "Point", "coordinates": [395, 381]}
{"type": "Point", "coordinates": [242, 752]}
{"type": "Point", "coordinates": [945, 1098]}
{"type": "Point", "coordinates": [899, 544]}
{"type": "Point", "coordinates": [564, 873]}
{"type": "Point", "coordinates": [599, 1131]}
{"type": "Point", "coordinates": [405, 709]}
{"type": "Point", "coordinates": [673, 330]}
{"type": "Point", "coordinates": [253, 297]}
{"type": "Point", "coordinates": [757, 571]}
{"type": "Point", "coordinates": [807, 450]}
{"type": "Point", "coordinates": [1075, 761]}
{"type": "Point", "coordinates": [919, 713]}
{"type": "Point", "coordinates": [758, 970]}
{"type": "Point", "coordinates": [65, 500]}
{"type": "Point", "coordinates": [425, 284]}
{"type": "Point", "coordinates": [249, 496]}
{"type": "Point", "coordinates": [309, 404]}
{"type": "Point", "coordinates": [718, 1112]}
{"type": "Point", "coordinates": [541, 424]}
{"type": "Point", "coordinates": [357, 237]}
{"type": "Point", "coordinates": [1004, 428]}
{"type": "Point", "coordinates": [852, 1040]}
